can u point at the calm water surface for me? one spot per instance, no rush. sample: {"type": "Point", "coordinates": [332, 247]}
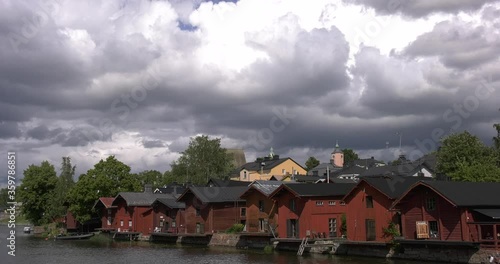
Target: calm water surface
{"type": "Point", "coordinates": [31, 250]}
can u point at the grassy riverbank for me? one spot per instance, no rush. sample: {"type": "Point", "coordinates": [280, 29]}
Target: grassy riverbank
{"type": "Point", "coordinates": [20, 219]}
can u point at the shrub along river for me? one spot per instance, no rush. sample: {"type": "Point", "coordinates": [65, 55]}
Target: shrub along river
{"type": "Point", "coordinates": [100, 249]}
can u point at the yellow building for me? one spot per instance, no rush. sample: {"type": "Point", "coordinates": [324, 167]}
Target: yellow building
{"type": "Point", "coordinates": [265, 168]}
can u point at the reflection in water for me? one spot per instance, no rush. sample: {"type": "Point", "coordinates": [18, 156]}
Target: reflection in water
{"type": "Point", "coordinates": [100, 249]}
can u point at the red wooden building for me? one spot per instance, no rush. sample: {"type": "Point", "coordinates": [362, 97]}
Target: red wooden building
{"type": "Point", "coordinates": [168, 216]}
{"type": "Point", "coordinates": [452, 211]}
{"type": "Point", "coordinates": [212, 209]}
{"type": "Point", "coordinates": [368, 207]}
{"type": "Point", "coordinates": [261, 212]}
{"type": "Point", "coordinates": [134, 211]}
{"type": "Point", "coordinates": [106, 211]}
{"type": "Point", "coordinates": [309, 209]}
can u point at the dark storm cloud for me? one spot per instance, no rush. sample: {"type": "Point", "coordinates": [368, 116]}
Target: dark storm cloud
{"type": "Point", "coordinates": [9, 129]}
{"type": "Point", "coordinates": [153, 143]}
{"type": "Point", "coordinates": [421, 8]}
{"type": "Point", "coordinates": [458, 44]}
{"type": "Point", "coordinates": [43, 132]}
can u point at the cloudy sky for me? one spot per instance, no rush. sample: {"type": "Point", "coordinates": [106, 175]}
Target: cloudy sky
{"type": "Point", "coordinates": [137, 79]}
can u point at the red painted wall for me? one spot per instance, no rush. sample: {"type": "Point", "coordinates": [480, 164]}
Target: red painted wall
{"type": "Point", "coordinates": [253, 214]}
{"type": "Point", "coordinates": [357, 213]}
{"type": "Point", "coordinates": [141, 217]}
{"type": "Point", "coordinates": [71, 222]}
{"type": "Point", "coordinates": [168, 215]}
{"type": "Point", "coordinates": [105, 216]}
{"type": "Point", "coordinates": [413, 208]}
{"type": "Point", "coordinates": [214, 217]}
{"type": "Point", "coordinates": [311, 217]}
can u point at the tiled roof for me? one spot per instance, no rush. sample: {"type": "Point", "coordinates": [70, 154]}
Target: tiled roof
{"type": "Point", "coordinates": [392, 187]}
{"type": "Point", "coordinates": [216, 194]}
{"type": "Point", "coordinates": [266, 187]}
{"type": "Point", "coordinates": [171, 203]}
{"type": "Point", "coordinates": [171, 189]}
{"type": "Point", "coordinates": [315, 190]}
{"type": "Point", "coordinates": [468, 194]}
{"type": "Point", "coordinates": [140, 198]}
{"type": "Point", "coordinates": [226, 183]}
{"type": "Point", "coordinates": [106, 202]}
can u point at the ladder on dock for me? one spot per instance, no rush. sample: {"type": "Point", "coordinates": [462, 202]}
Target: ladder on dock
{"type": "Point", "coordinates": [302, 246]}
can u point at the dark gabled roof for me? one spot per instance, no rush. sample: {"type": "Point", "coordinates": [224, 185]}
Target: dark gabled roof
{"type": "Point", "coordinates": [323, 166]}
{"type": "Point", "coordinates": [337, 180]}
{"type": "Point", "coordinates": [174, 189]}
{"type": "Point", "coordinates": [405, 170]}
{"type": "Point", "coordinates": [264, 187]}
{"type": "Point", "coordinates": [351, 170]}
{"type": "Point", "coordinates": [216, 194]}
{"type": "Point", "coordinates": [225, 183]}
{"type": "Point", "coordinates": [493, 213]}
{"type": "Point", "coordinates": [467, 194]}
{"type": "Point", "coordinates": [392, 187]}
{"type": "Point", "coordinates": [429, 161]}
{"type": "Point", "coordinates": [140, 198]}
{"type": "Point", "coordinates": [315, 190]}
{"type": "Point", "coordinates": [307, 178]}
{"type": "Point", "coordinates": [366, 163]}
{"type": "Point", "coordinates": [105, 202]}
{"type": "Point", "coordinates": [268, 164]}
{"type": "Point", "coordinates": [170, 203]}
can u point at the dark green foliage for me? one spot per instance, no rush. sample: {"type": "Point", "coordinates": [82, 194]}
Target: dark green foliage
{"type": "Point", "coordinates": [463, 157]}
{"type": "Point", "coordinates": [203, 159]}
{"type": "Point", "coordinates": [152, 177]}
{"type": "Point", "coordinates": [65, 182]}
{"type": "Point", "coordinates": [343, 225]}
{"type": "Point", "coordinates": [349, 156]}
{"type": "Point", "coordinates": [106, 179]}
{"type": "Point", "coordinates": [236, 228]}
{"type": "Point", "coordinates": [36, 189]}
{"type": "Point", "coordinates": [311, 163]}
{"type": "Point", "coordinates": [4, 197]}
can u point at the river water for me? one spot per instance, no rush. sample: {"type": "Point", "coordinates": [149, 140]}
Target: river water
{"type": "Point", "coordinates": [31, 250]}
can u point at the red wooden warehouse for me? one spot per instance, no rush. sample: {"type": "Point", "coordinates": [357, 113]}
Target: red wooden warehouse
{"type": "Point", "coordinates": [452, 211]}
{"type": "Point", "coordinates": [369, 203]}
{"type": "Point", "coordinates": [212, 209]}
{"type": "Point", "coordinates": [261, 212]}
{"type": "Point", "coordinates": [134, 211]}
{"type": "Point", "coordinates": [105, 210]}
{"type": "Point", "coordinates": [168, 216]}
{"type": "Point", "coordinates": [310, 209]}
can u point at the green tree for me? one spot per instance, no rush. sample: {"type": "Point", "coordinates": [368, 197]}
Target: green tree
{"type": "Point", "coordinates": [4, 198]}
{"type": "Point", "coordinates": [463, 157]}
{"type": "Point", "coordinates": [65, 182]}
{"type": "Point", "coordinates": [349, 156]}
{"type": "Point", "coordinates": [204, 158]}
{"type": "Point", "coordinates": [106, 179]}
{"type": "Point", "coordinates": [496, 143]}
{"type": "Point", "coordinates": [36, 189]}
{"type": "Point", "coordinates": [311, 163]}
{"type": "Point", "coordinates": [153, 177]}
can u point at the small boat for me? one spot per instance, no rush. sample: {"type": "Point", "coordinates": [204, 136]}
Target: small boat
{"type": "Point", "coordinates": [74, 237]}
{"type": "Point", "coordinates": [27, 229]}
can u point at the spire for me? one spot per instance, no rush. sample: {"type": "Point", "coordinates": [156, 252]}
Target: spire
{"type": "Point", "coordinates": [337, 148]}
{"type": "Point", "coordinates": [271, 153]}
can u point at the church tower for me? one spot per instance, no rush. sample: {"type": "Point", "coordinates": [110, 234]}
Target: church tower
{"type": "Point", "coordinates": [337, 157]}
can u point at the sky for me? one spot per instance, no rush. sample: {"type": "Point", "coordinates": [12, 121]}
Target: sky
{"type": "Point", "coordinates": [137, 79]}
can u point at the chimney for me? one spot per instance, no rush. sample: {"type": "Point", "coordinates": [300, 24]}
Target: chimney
{"type": "Point", "coordinates": [148, 188]}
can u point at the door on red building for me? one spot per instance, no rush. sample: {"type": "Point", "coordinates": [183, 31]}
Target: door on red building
{"type": "Point", "coordinates": [292, 228]}
{"type": "Point", "coordinates": [370, 230]}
